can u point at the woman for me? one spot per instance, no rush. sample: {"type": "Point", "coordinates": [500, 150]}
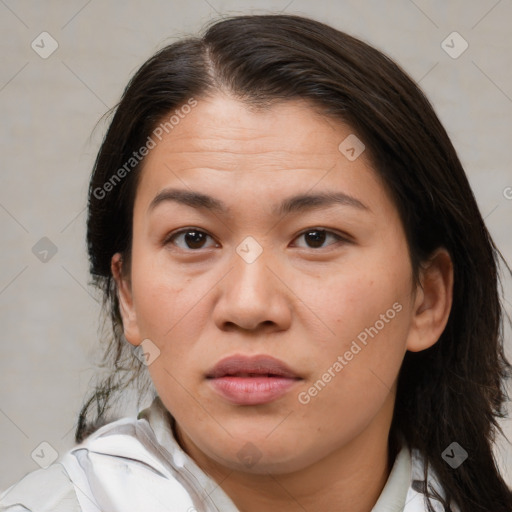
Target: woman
{"type": "Point", "coordinates": [287, 242]}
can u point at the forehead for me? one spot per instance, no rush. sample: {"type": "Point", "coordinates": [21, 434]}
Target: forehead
{"type": "Point", "coordinates": [223, 148]}
{"type": "Point", "coordinates": [287, 134]}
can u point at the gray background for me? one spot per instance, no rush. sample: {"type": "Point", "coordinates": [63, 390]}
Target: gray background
{"type": "Point", "coordinates": [49, 109]}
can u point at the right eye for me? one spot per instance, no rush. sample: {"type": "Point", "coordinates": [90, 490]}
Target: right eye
{"type": "Point", "coordinates": [189, 239]}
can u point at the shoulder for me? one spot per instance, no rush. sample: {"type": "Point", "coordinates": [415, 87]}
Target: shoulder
{"type": "Point", "coordinates": [125, 465]}
{"type": "Point", "coordinates": [43, 490]}
{"type": "Point", "coordinates": [59, 487]}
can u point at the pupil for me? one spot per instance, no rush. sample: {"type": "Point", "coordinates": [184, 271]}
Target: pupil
{"type": "Point", "coordinates": [317, 237]}
{"type": "Point", "coordinates": [194, 239]}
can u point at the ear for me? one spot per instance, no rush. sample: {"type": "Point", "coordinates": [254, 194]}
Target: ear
{"type": "Point", "coordinates": [127, 309]}
{"type": "Point", "coordinates": [433, 301]}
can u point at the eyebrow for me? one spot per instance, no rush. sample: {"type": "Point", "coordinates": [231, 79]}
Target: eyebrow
{"type": "Point", "coordinates": [295, 204]}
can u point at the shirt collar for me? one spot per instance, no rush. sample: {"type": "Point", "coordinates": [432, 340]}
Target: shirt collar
{"type": "Point", "coordinates": [393, 496]}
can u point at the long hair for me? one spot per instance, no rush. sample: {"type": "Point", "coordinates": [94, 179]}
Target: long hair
{"type": "Point", "coordinates": [453, 391]}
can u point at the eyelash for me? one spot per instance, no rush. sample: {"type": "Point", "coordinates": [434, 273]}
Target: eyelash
{"type": "Point", "coordinates": [339, 238]}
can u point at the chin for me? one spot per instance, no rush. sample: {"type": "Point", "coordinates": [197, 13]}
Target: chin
{"type": "Point", "coordinates": [260, 454]}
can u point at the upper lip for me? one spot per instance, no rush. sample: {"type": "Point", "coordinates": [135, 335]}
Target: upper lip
{"type": "Point", "coordinates": [240, 365]}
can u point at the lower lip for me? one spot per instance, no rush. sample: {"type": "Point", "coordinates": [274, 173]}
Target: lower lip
{"type": "Point", "coordinates": [252, 390]}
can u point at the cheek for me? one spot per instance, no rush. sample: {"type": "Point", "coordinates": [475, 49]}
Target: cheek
{"type": "Point", "coordinates": [353, 297]}
{"type": "Point", "coordinates": [168, 304]}
{"type": "Point", "coordinates": [170, 314]}
{"type": "Point", "coordinates": [366, 313]}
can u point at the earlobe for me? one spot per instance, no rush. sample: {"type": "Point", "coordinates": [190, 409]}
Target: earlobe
{"type": "Point", "coordinates": [126, 306]}
{"type": "Point", "coordinates": [433, 302]}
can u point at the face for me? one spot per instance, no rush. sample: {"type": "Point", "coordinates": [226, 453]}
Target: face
{"type": "Point", "coordinates": [279, 303]}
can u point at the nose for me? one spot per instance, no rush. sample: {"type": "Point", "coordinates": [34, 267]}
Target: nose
{"type": "Point", "coordinates": [251, 297]}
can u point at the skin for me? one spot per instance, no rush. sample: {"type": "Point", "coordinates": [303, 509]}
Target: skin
{"type": "Point", "coordinates": [297, 302]}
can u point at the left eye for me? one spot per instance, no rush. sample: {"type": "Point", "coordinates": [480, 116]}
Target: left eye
{"type": "Point", "coordinates": [192, 238]}
{"type": "Point", "coordinates": [315, 238]}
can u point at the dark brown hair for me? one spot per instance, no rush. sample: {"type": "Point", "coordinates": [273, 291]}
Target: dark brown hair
{"type": "Point", "coordinates": [453, 391]}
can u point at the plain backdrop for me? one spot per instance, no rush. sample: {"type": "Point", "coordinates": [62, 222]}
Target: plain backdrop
{"type": "Point", "coordinates": [51, 110]}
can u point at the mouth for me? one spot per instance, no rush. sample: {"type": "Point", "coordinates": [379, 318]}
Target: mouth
{"type": "Point", "coordinates": [251, 380]}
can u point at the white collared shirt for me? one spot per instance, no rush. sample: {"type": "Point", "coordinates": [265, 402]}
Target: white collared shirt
{"type": "Point", "coordinates": [136, 465]}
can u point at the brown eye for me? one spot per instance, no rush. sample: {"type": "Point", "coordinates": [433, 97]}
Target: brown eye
{"type": "Point", "coordinates": [189, 239]}
{"type": "Point", "coordinates": [315, 238]}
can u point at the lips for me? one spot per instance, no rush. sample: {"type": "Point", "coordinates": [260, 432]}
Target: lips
{"type": "Point", "coordinates": [256, 380]}
{"type": "Point", "coordinates": [243, 366]}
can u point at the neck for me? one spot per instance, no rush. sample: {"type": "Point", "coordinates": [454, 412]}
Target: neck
{"type": "Point", "coordinates": [353, 486]}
